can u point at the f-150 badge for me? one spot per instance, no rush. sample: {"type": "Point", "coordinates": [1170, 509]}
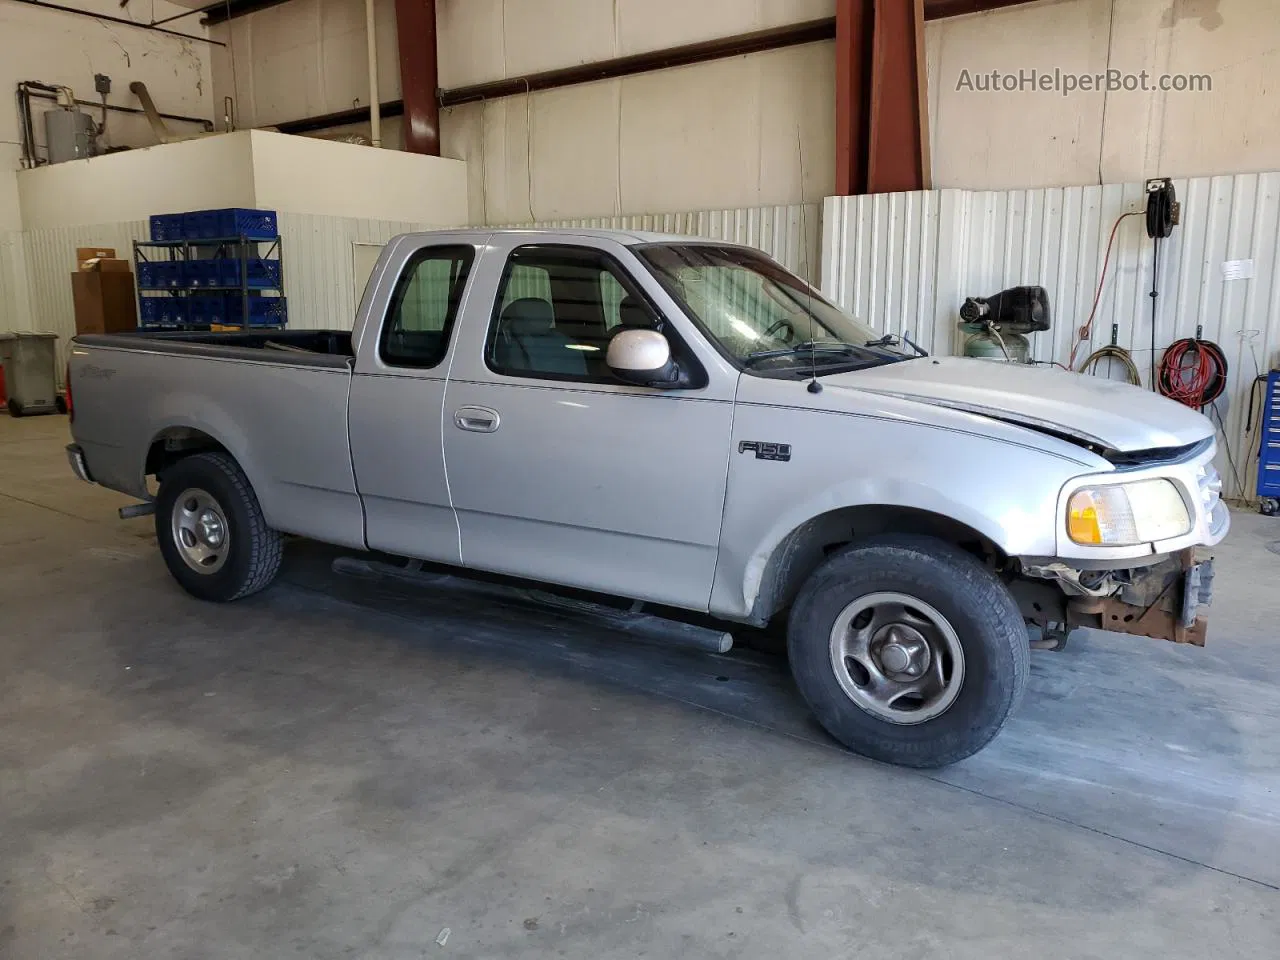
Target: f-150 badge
{"type": "Point", "coordinates": [766, 451]}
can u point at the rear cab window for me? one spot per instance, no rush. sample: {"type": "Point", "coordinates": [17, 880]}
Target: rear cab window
{"type": "Point", "coordinates": [424, 306]}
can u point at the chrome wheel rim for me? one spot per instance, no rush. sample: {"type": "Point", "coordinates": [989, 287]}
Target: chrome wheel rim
{"type": "Point", "coordinates": [897, 657]}
{"type": "Point", "coordinates": [200, 531]}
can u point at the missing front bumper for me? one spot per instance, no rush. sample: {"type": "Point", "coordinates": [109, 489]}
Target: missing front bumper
{"type": "Point", "coordinates": [1166, 602]}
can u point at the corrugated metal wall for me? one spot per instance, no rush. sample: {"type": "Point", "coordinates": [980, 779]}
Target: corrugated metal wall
{"type": "Point", "coordinates": [905, 262]}
{"type": "Point", "coordinates": [791, 234]}
{"type": "Point", "coordinates": [317, 261]}
{"type": "Point", "coordinates": [51, 259]}
{"type": "Point", "coordinates": [35, 266]}
{"type": "Point", "coordinates": [319, 266]}
{"type": "Point", "coordinates": [15, 310]}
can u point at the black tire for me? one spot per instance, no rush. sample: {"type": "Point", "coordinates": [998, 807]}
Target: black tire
{"type": "Point", "coordinates": [60, 404]}
{"type": "Point", "coordinates": [15, 408]}
{"type": "Point", "coordinates": [991, 632]}
{"type": "Point", "coordinates": [254, 550]}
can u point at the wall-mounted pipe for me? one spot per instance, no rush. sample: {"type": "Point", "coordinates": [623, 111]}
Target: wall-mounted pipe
{"type": "Point", "coordinates": [139, 90]}
{"type": "Point", "coordinates": [371, 37]}
{"type": "Point", "coordinates": [27, 89]}
{"type": "Point", "coordinates": [120, 108]}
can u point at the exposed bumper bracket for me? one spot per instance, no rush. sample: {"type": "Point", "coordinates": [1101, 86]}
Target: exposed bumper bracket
{"type": "Point", "coordinates": [1165, 603]}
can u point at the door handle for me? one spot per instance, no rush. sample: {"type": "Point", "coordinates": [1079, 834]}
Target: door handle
{"type": "Point", "coordinates": [476, 419]}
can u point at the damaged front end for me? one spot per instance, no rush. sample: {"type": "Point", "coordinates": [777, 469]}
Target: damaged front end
{"type": "Point", "coordinates": [1164, 600]}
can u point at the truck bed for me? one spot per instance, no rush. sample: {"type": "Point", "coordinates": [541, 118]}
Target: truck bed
{"type": "Point", "coordinates": [276, 400]}
{"type": "Point", "coordinates": [329, 348]}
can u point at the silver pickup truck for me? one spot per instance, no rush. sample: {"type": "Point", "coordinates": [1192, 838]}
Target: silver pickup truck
{"type": "Point", "coordinates": [681, 422]}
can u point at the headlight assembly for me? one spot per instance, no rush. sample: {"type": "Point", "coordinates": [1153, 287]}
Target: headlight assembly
{"type": "Point", "coordinates": [1127, 514]}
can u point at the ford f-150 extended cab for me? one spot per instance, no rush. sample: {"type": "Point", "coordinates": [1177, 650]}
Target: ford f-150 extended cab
{"type": "Point", "coordinates": [681, 422]}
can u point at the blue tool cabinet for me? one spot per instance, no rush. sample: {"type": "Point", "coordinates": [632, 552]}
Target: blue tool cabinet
{"type": "Point", "coordinates": [1269, 447]}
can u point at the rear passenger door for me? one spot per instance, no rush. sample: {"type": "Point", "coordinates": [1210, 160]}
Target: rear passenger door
{"type": "Point", "coordinates": [560, 472]}
{"type": "Point", "coordinates": [397, 401]}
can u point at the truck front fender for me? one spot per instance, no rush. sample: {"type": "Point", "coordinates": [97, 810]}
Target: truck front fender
{"type": "Point", "coordinates": [757, 576]}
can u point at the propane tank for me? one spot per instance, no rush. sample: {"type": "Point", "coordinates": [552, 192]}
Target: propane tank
{"type": "Point", "coordinates": [985, 344]}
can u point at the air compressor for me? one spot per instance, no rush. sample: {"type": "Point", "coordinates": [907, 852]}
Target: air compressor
{"type": "Point", "coordinates": [998, 325]}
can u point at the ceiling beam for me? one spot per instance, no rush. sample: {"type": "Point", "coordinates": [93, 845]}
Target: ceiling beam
{"type": "Point", "coordinates": [933, 9]}
{"type": "Point", "coordinates": [941, 9]}
{"type": "Point", "coordinates": [759, 41]}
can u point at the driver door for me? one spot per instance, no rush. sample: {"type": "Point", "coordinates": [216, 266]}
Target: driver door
{"type": "Point", "coordinates": [558, 471]}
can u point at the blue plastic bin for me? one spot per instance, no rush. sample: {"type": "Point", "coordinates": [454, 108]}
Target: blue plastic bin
{"type": "Point", "coordinates": [263, 311]}
{"type": "Point", "coordinates": [167, 226]}
{"type": "Point", "coordinates": [251, 224]}
{"type": "Point", "coordinates": [198, 309]}
{"type": "Point", "coordinates": [163, 311]}
{"type": "Point", "coordinates": [262, 274]}
{"type": "Point", "coordinates": [212, 273]}
{"type": "Point", "coordinates": [160, 275]}
{"type": "Point", "coordinates": [200, 225]}
{"type": "Point", "coordinates": [230, 222]}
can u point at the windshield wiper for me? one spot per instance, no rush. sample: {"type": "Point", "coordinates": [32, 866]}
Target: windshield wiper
{"type": "Point", "coordinates": [892, 340]}
{"type": "Point", "coordinates": [809, 346]}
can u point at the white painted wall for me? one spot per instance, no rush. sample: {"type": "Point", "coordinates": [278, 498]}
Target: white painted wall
{"type": "Point", "coordinates": [213, 171]}
{"type": "Point", "coordinates": [306, 175]}
{"type": "Point", "coordinates": [303, 59]}
{"type": "Point", "coordinates": [248, 168]}
{"type": "Point", "coordinates": [732, 133]}
{"type": "Point", "coordinates": [60, 48]}
{"type": "Point", "coordinates": [1039, 139]}
{"type": "Point", "coordinates": [721, 134]}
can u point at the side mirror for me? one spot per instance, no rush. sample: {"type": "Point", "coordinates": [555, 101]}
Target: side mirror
{"type": "Point", "coordinates": [642, 357]}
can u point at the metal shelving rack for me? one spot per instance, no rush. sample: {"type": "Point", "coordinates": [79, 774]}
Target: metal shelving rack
{"type": "Point", "coordinates": [240, 250]}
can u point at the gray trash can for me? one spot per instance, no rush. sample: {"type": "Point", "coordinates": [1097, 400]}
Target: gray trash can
{"type": "Point", "coordinates": [30, 361]}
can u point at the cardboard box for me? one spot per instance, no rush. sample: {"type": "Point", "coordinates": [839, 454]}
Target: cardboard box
{"type": "Point", "coordinates": [105, 301]}
{"type": "Point", "coordinates": [105, 266]}
{"type": "Point", "coordinates": [90, 253]}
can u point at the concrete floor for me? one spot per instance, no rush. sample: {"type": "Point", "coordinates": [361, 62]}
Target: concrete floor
{"type": "Point", "coordinates": [342, 769]}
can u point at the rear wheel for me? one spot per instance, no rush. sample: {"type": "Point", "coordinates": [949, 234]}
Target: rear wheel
{"type": "Point", "coordinates": [908, 650]}
{"type": "Point", "coordinates": [15, 408]}
{"type": "Point", "coordinates": [212, 533]}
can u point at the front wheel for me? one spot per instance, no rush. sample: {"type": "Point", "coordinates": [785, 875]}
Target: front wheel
{"type": "Point", "coordinates": [908, 650]}
{"type": "Point", "coordinates": [212, 533]}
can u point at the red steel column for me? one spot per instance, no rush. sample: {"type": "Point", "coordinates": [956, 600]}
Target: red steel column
{"type": "Point", "coordinates": [416, 33]}
{"type": "Point", "coordinates": [881, 133]}
{"type": "Point", "coordinates": [854, 20]}
{"type": "Point", "coordinates": [897, 152]}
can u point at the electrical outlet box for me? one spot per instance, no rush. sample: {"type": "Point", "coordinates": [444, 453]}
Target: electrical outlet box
{"type": "Point", "coordinates": [102, 83]}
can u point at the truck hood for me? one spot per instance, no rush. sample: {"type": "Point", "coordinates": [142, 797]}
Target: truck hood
{"type": "Point", "coordinates": [1092, 410]}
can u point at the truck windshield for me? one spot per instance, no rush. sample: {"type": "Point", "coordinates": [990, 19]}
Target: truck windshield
{"type": "Point", "coordinates": [769, 319]}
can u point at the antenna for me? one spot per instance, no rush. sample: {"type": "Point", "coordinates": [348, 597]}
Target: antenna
{"type": "Point", "coordinates": [814, 385]}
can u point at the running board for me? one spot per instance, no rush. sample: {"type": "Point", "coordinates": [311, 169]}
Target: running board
{"type": "Point", "coordinates": [634, 623]}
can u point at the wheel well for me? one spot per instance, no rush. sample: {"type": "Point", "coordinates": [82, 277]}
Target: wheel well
{"type": "Point", "coordinates": [806, 547]}
{"type": "Point", "coordinates": [174, 443]}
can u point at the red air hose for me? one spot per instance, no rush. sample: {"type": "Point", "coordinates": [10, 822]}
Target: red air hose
{"type": "Point", "coordinates": [1193, 372]}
